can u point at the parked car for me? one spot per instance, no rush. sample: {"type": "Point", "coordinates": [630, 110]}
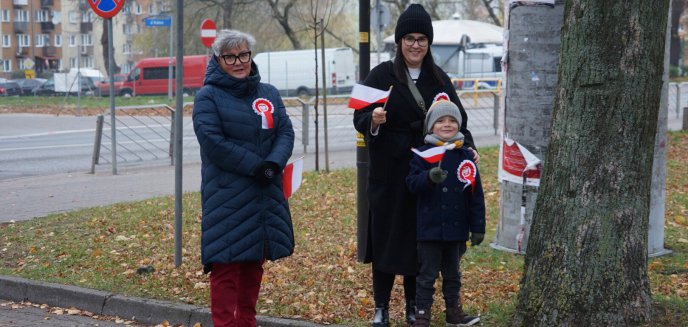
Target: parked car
{"type": "Point", "coordinates": [48, 88]}
{"type": "Point", "coordinates": [27, 85]}
{"type": "Point", "coordinates": [104, 85]}
{"type": "Point", "coordinates": [9, 87]}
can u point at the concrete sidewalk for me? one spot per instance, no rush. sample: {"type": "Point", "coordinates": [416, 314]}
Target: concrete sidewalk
{"type": "Point", "coordinates": [141, 310]}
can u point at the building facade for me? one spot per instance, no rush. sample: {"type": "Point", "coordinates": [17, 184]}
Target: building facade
{"type": "Point", "coordinates": [41, 37]}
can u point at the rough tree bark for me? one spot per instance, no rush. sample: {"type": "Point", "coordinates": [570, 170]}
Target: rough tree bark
{"type": "Point", "coordinates": [106, 51]}
{"type": "Point", "coordinates": [586, 261]}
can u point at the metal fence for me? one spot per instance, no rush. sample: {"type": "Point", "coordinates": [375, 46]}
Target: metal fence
{"type": "Point", "coordinates": [146, 133]}
{"type": "Point", "coordinates": [678, 99]}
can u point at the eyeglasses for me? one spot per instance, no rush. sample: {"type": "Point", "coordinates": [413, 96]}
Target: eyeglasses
{"type": "Point", "coordinates": [410, 40]}
{"type": "Point", "coordinates": [231, 59]}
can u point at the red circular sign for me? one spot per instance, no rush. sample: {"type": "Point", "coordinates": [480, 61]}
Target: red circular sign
{"type": "Point", "coordinates": [208, 32]}
{"type": "Point", "coordinates": [106, 8]}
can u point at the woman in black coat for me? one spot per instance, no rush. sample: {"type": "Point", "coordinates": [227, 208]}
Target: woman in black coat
{"type": "Point", "coordinates": [390, 134]}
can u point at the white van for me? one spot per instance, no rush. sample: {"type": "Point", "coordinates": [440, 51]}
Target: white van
{"type": "Point", "coordinates": [293, 72]}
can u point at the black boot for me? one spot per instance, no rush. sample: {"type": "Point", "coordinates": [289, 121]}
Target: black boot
{"type": "Point", "coordinates": [410, 312]}
{"type": "Point", "coordinates": [381, 318]}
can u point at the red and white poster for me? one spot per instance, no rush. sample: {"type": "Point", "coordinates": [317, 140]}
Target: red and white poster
{"type": "Point", "coordinates": [514, 160]}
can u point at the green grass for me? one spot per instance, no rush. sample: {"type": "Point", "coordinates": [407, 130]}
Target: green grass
{"type": "Point", "coordinates": [102, 248]}
{"type": "Point", "coordinates": [90, 104]}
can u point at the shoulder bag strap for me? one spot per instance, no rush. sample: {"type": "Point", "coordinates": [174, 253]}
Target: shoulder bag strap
{"type": "Point", "coordinates": [415, 92]}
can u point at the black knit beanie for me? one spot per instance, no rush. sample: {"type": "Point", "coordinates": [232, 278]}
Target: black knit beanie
{"type": "Point", "coordinates": [413, 20]}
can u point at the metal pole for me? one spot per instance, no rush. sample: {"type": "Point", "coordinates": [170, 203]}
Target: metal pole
{"type": "Point", "coordinates": [361, 149]}
{"type": "Point", "coordinates": [678, 98]}
{"type": "Point", "coordinates": [78, 72]}
{"type": "Point", "coordinates": [324, 83]}
{"type": "Point", "coordinates": [96, 143]}
{"type": "Point", "coordinates": [169, 69]}
{"type": "Point", "coordinates": [178, 117]}
{"type": "Point", "coordinates": [378, 29]}
{"type": "Point", "coordinates": [111, 68]}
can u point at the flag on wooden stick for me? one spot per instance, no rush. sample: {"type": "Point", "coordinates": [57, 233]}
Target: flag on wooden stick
{"type": "Point", "coordinates": [291, 177]}
{"type": "Point", "coordinates": [432, 155]}
{"type": "Point", "coordinates": [363, 96]}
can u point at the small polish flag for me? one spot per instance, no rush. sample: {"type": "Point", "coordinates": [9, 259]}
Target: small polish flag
{"type": "Point", "coordinates": [291, 178]}
{"type": "Point", "coordinates": [431, 155]}
{"type": "Point", "coordinates": [363, 96]}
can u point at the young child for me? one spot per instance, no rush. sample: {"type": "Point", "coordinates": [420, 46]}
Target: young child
{"type": "Point", "coordinates": [450, 206]}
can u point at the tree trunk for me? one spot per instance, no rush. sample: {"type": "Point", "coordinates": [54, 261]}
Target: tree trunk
{"type": "Point", "coordinates": [676, 12]}
{"type": "Point", "coordinates": [586, 261]}
{"type": "Point", "coordinates": [227, 11]}
{"type": "Point", "coordinates": [106, 49]}
{"type": "Point", "coordinates": [283, 20]}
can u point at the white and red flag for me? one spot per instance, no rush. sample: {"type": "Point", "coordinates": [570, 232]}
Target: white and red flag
{"type": "Point", "coordinates": [515, 160]}
{"type": "Point", "coordinates": [363, 96]}
{"type": "Point", "coordinates": [432, 155]}
{"type": "Point", "coordinates": [291, 177]}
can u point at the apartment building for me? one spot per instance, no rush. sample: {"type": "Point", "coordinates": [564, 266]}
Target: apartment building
{"type": "Point", "coordinates": [30, 36]}
{"type": "Point", "coordinates": [47, 36]}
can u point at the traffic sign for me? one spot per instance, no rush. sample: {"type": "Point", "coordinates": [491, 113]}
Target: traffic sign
{"type": "Point", "coordinates": [28, 63]}
{"type": "Point", "coordinates": [208, 32]}
{"type": "Point", "coordinates": [163, 21]}
{"type": "Point", "coordinates": [29, 74]}
{"type": "Point", "coordinates": [106, 8]}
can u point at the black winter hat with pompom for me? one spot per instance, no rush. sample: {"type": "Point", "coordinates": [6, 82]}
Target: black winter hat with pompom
{"type": "Point", "coordinates": [413, 20]}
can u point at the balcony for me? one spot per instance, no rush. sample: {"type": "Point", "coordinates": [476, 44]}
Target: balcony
{"type": "Point", "coordinates": [21, 27]}
{"type": "Point", "coordinates": [83, 6]}
{"type": "Point", "coordinates": [49, 52]}
{"type": "Point", "coordinates": [47, 26]}
{"type": "Point", "coordinates": [86, 50]}
{"type": "Point", "coordinates": [22, 51]}
{"type": "Point", "coordinates": [47, 3]}
{"type": "Point", "coordinates": [20, 2]}
{"type": "Point", "coordinates": [85, 27]}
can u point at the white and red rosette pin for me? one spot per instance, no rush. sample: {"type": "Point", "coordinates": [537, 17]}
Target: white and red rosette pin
{"type": "Point", "coordinates": [441, 96]}
{"type": "Point", "coordinates": [264, 108]}
{"type": "Point", "coordinates": [466, 173]}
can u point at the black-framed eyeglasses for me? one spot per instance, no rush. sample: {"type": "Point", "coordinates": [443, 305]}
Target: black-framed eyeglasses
{"type": "Point", "coordinates": [231, 59]}
{"type": "Point", "coordinates": [410, 40]}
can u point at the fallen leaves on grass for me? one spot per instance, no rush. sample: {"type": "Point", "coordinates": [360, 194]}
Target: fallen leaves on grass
{"type": "Point", "coordinates": [322, 282]}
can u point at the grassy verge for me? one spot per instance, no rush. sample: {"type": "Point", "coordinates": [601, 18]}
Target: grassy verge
{"type": "Point", "coordinates": [103, 248]}
{"type": "Point", "coordinates": [94, 105]}
{"type": "Point", "coordinates": [87, 105]}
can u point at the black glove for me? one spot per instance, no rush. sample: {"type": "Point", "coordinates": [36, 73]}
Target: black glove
{"type": "Point", "coordinates": [437, 175]}
{"type": "Point", "coordinates": [265, 173]}
{"type": "Point", "coordinates": [477, 238]}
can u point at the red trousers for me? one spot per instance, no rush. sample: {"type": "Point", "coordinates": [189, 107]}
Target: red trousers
{"type": "Point", "coordinates": [234, 291]}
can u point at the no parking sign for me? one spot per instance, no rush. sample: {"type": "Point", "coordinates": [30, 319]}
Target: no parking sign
{"type": "Point", "coordinates": [106, 8]}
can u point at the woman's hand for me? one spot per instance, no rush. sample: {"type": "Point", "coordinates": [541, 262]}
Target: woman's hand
{"type": "Point", "coordinates": [379, 117]}
{"type": "Point", "coordinates": [476, 156]}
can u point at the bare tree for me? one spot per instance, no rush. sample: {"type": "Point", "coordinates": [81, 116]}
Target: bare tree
{"type": "Point", "coordinates": [104, 41]}
{"type": "Point", "coordinates": [586, 261]}
{"type": "Point", "coordinates": [490, 11]}
{"type": "Point", "coordinates": [281, 14]}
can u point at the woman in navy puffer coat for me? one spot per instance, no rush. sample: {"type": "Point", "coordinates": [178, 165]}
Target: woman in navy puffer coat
{"type": "Point", "coordinates": [246, 139]}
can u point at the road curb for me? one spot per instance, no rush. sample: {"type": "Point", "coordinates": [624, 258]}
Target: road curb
{"type": "Point", "coordinates": [141, 310]}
